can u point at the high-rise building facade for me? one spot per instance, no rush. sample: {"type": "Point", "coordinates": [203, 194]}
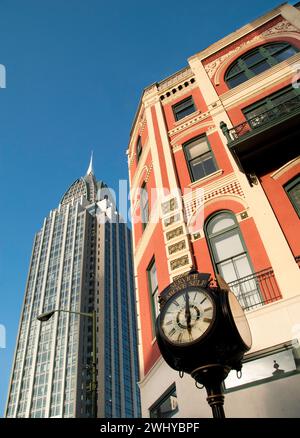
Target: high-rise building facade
{"type": "Point", "coordinates": [81, 261]}
{"type": "Point", "coordinates": [221, 138]}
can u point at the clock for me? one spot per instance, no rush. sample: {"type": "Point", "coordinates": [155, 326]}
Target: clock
{"type": "Point", "coordinates": [236, 319]}
{"type": "Point", "coordinates": [187, 316]}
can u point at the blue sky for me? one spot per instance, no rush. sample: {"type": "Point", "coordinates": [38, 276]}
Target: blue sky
{"type": "Point", "coordinates": [75, 72]}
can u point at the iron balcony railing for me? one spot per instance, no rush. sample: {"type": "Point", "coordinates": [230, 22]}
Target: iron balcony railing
{"type": "Point", "coordinates": [261, 120]}
{"type": "Point", "coordinates": [256, 289]}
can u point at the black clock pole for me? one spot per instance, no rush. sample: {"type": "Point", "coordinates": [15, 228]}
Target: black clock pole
{"type": "Point", "coordinates": [212, 377]}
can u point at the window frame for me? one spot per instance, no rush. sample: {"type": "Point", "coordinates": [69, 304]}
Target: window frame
{"type": "Point", "coordinates": [139, 148]}
{"type": "Point", "coordinates": [188, 161]}
{"type": "Point", "coordinates": [209, 237]}
{"type": "Point", "coordinates": [176, 105]}
{"type": "Point", "coordinates": [269, 351]}
{"type": "Point", "coordinates": [290, 185]}
{"type": "Point", "coordinates": [168, 393]}
{"type": "Point", "coordinates": [152, 293]}
{"type": "Point", "coordinates": [266, 57]}
{"type": "Point", "coordinates": [142, 207]}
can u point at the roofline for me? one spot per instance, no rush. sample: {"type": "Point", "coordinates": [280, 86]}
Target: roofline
{"type": "Point", "coordinates": [196, 54]}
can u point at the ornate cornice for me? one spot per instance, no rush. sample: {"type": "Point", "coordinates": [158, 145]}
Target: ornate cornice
{"type": "Point", "coordinates": [180, 76]}
{"type": "Point", "coordinates": [282, 26]}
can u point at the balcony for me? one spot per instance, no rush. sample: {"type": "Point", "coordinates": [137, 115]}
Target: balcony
{"type": "Point", "coordinates": [268, 140]}
{"type": "Point", "coordinates": [257, 289]}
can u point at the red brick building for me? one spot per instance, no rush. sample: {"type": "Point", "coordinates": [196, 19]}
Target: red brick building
{"type": "Point", "coordinates": [225, 131]}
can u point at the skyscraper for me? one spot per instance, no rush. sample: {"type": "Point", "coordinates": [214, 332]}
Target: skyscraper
{"type": "Point", "coordinates": [81, 261]}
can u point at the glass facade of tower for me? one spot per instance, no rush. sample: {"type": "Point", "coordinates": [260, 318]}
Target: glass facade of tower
{"type": "Point", "coordinates": [121, 395]}
{"type": "Point", "coordinates": [78, 264]}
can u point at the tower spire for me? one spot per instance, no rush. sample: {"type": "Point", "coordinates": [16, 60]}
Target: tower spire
{"type": "Point", "coordinates": [90, 168]}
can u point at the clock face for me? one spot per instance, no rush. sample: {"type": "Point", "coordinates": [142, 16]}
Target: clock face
{"type": "Point", "coordinates": [187, 316]}
{"type": "Point", "coordinates": [240, 319]}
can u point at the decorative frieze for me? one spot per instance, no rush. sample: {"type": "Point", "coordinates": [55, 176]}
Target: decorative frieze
{"type": "Point", "coordinates": [177, 247]}
{"type": "Point", "coordinates": [171, 220]}
{"type": "Point", "coordinates": [282, 26]}
{"type": "Point", "coordinates": [173, 80]}
{"type": "Point", "coordinates": [180, 262]}
{"type": "Point", "coordinates": [174, 233]}
{"type": "Point", "coordinates": [169, 206]}
{"type": "Point", "coordinates": [223, 186]}
{"type": "Point", "coordinates": [190, 122]}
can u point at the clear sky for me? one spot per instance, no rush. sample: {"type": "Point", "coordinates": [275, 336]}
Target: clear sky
{"type": "Point", "coordinates": [75, 72]}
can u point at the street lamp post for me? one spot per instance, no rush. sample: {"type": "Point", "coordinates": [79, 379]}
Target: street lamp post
{"type": "Point", "coordinates": [46, 316]}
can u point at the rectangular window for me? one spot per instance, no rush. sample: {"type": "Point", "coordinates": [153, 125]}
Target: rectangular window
{"type": "Point", "coordinates": [184, 108]}
{"type": "Point", "coordinates": [200, 158]}
{"type": "Point", "coordinates": [166, 406]}
{"type": "Point", "coordinates": [269, 364]}
{"type": "Point", "coordinates": [293, 191]}
{"type": "Point", "coordinates": [153, 289]}
{"type": "Point", "coordinates": [144, 202]}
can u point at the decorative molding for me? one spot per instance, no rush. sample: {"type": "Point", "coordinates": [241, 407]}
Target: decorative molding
{"type": "Point", "coordinates": [199, 182]}
{"type": "Point", "coordinates": [252, 87]}
{"type": "Point", "coordinates": [150, 90]}
{"type": "Point", "coordinates": [180, 76]}
{"type": "Point", "coordinates": [169, 206]}
{"type": "Point", "coordinates": [175, 93]}
{"type": "Point", "coordinates": [180, 262]}
{"type": "Point", "coordinates": [177, 247]}
{"type": "Point", "coordinates": [283, 26]}
{"type": "Point", "coordinates": [176, 148]}
{"type": "Point", "coordinates": [171, 220]}
{"type": "Point", "coordinates": [221, 187]}
{"type": "Point", "coordinates": [141, 166]}
{"type": "Point", "coordinates": [149, 172]}
{"type": "Point", "coordinates": [175, 233]}
{"type": "Point", "coordinates": [189, 121]}
{"type": "Point", "coordinates": [282, 170]}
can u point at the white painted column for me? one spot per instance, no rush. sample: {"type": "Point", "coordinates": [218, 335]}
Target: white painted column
{"type": "Point", "coordinates": [166, 146]}
{"type": "Point", "coordinates": [151, 98]}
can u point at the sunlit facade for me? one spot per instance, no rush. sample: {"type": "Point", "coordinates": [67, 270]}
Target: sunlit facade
{"type": "Point", "coordinates": [221, 137]}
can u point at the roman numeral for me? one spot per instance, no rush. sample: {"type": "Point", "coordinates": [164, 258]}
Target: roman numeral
{"type": "Point", "coordinates": [175, 302]}
{"type": "Point", "coordinates": [207, 309]}
{"type": "Point", "coordinates": [203, 300]}
{"type": "Point", "coordinates": [169, 322]}
{"type": "Point", "coordinates": [171, 333]}
{"type": "Point", "coordinates": [179, 337]}
{"type": "Point", "coordinates": [207, 319]}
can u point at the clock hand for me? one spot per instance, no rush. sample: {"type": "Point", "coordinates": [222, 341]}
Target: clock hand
{"type": "Point", "coordinates": [187, 312]}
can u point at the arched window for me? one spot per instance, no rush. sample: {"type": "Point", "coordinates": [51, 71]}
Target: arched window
{"type": "Point", "coordinates": [256, 61]}
{"type": "Point", "coordinates": [230, 257]}
{"type": "Point", "coordinates": [144, 201]}
{"type": "Point", "coordinates": [139, 148]}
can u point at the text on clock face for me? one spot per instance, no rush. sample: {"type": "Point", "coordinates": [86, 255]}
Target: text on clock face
{"type": "Point", "coordinates": [188, 317]}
